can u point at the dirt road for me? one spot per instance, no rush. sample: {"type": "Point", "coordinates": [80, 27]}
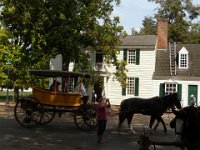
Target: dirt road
{"type": "Point", "coordinates": [62, 133]}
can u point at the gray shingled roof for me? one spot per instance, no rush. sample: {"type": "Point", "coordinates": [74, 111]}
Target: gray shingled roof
{"type": "Point", "coordinates": [162, 69]}
{"type": "Point", "coordinates": [143, 40]}
{"type": "Point", "coordinates": [194, 60]}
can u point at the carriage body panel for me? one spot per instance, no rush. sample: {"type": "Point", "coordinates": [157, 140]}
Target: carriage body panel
{"type": "Point", "coordinates": [46, 97]}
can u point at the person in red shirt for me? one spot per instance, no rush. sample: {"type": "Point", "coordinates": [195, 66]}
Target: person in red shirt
{"type": "Point", "coordinates": [102, 106]}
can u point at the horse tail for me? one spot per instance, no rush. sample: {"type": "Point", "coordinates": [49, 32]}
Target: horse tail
{"type": "Point", "coordinates": [122, 113]}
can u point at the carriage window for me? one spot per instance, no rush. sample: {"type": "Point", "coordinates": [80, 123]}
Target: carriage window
{"type": "Point", "coordinates": [131, 86]}
{"type": "Point", "coordinates": [131, 57]}
{"type": "Point", "coordinates": [170, 88]}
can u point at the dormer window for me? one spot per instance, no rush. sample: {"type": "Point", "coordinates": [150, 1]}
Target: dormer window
{"type": "Point", "coordinates": [183, 58]}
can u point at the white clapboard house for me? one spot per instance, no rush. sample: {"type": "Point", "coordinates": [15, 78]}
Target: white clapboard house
{"type": "Point", "coordinates": [155, 67]}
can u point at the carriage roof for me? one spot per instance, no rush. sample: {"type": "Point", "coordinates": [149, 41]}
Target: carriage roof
{"type": "Point", "coordinates": [56, 73]}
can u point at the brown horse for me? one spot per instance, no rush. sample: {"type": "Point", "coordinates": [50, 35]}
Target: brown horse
{"type": "Point", "coordinates": [155, 107]}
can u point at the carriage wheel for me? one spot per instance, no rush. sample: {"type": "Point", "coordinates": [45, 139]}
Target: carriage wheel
{"type": "Point", "coordinates": [48, 114]}
{"type": "Point", "coordinates": [85, 117]}
{"type": "Point", "coordinates": [27, 112]}
{"type": "Point", "coordinates": [90, 116]}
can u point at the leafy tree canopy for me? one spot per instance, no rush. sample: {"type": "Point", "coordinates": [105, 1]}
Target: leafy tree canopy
{"type": "Point", "coordinates": [180, 15]}
{"type": "Point", "coordinates": [41, 29]}
{"type": "Point", "coordinates": [149, 26]}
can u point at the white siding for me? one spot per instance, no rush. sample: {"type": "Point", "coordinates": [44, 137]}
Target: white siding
{"type": "Point", "coordinates": [185, 84]}
{"type": "Point", "coordinates": [56, 63]}
{"type": "Point", "coordinates": [144, 71]}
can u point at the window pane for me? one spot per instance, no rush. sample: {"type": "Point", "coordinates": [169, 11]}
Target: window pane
{"type": "Point", "coordinates": [71, 84]}
{"type": "Point", "coordinates": [170, 88]}
{"type": "Point", "coordinates": [131, 56]}
{"type": "Point", "coordinates": [130, 86]}
{"type": "Point", "coordinates": [183, 61]}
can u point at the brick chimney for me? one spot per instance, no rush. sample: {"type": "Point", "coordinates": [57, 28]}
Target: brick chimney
{"type": "Point", "coordinates": [162, 34]}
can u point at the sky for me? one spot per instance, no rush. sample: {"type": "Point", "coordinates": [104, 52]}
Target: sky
{"type": "Point", "coordinates": [132, 12]}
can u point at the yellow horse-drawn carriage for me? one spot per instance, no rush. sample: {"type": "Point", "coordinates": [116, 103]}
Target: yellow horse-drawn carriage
{"type": "Point", "coordinates": [41, 107]}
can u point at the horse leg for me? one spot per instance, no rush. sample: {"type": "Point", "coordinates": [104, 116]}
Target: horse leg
{"type": "Point", "coordinates": [155, 127]}
{"type": "Point", "coordinates": [129, 119]}
{"type": "Point", "coordinates": [152, 119]}
{"type": "Point", "coordinates": [122, 117]}
{"type": "Point", "coordinates": [163, 123]}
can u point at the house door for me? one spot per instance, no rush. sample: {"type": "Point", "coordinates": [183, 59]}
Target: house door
{"type": "Point", "coordinates": [192, 90]}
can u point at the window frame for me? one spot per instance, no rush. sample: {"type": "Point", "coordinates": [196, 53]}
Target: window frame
{"type": "Point", "coordinates": [131, 56]}
{"type": "Point", "coordinates": [130, 89]}
{"type": "Point", "coordinates": [71, 82]}
{"type": "Point", "coordinates": [183, 59]}
{"type": "Point", "coordinates": [170, 89]}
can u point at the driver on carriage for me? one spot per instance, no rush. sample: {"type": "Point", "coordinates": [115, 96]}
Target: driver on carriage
{"type": "Point", "coordinates": [83, 86]}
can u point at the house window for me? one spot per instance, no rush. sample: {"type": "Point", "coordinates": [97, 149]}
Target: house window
{"type": "Point", "coordinates": [99, 57]}
{"type": "Point", "coordinates": [130, 86]}
{"type": "Point", "coordinates": [69, 85]}
{"type": "Point", "coordinates": [131, 56]}
{"type": "Point", "coordinates": [170, 88]}
{"type": "Point", "coordinates": [183, 58]}
{"type": "Point", "coordinates": [99, 61]}
{"type": "Point", "coordinates": [183, 61]}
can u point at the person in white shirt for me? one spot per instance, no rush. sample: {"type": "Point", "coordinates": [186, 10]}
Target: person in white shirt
{"type": "Point", "coordinates": [81, 87]}
{"type": "Point", "coordinates": [86, 85]}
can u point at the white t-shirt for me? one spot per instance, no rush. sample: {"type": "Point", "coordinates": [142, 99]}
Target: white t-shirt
{"type": "Point", "coordinates": [83, 90]}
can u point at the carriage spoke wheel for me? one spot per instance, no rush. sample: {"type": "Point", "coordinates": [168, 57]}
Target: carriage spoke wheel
{"type": "Point", "coordinates": [85, 118]}
{"type": "Point", "coordinates": [27, 112]}
{"type": "Point", "coordinates": [48, 114]}
{"type": "Point", "coordinates": [90, 116]}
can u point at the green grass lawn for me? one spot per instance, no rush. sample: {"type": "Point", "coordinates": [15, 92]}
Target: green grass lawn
{"type": "Point", "coordinates": [3, 95]}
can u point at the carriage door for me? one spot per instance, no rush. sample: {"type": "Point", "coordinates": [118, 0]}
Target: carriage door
{"type": "Point", "coordinates": [192, 90]}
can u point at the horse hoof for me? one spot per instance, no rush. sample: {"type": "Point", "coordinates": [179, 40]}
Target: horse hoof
{"type": "Point", "coordinates": [132, 132]}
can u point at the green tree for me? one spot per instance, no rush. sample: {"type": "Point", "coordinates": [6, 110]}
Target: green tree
{"type": "Point", "coordinates": [42, 29]}
{"type": "Point", "coordinates": [134, 31]}
{"type": "Point", "coordinates": [179, 13]}
{"type": "Point", "coordinates": [149, 26]}
{"type": "Point", "coordinates": [14, 72]}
